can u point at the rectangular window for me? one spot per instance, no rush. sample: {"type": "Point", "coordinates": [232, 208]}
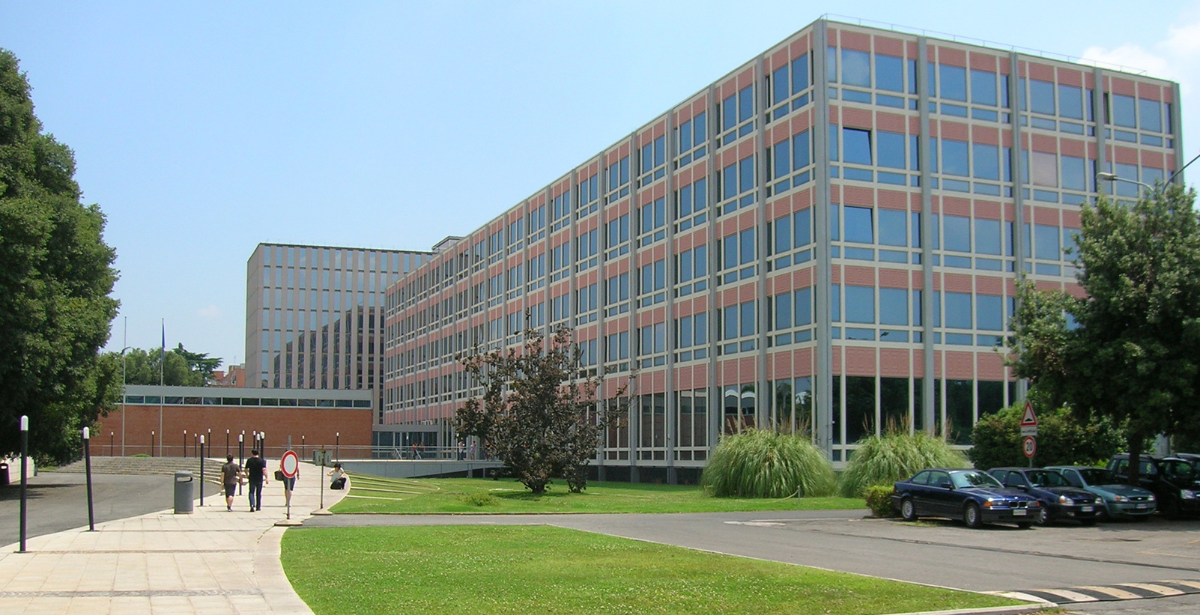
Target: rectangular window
{"type": "Point", "coordinates": [1074, 173]}
{"type": "Point", "coordinates": [893, 306]}
{"type": "Point", "coordinates": [857, 146]}
{"type": "Point", "coordinates": [891, 149]}
{"type": "Point", "coordinates": [889, 73]}
{"type": "Point", "coordinates": [1041, 95]}
{"type": "Point", "coordinates": [860, 304]}
{"type": "Point", "coordinates": [986, 161]}
{"type": "Point", "coordinates": [1070, 101]}
{"type": "Point", "coordinates": [1045, 169]}
{"type": "Point", "coordinates": [958, 233]}
{"type": "Point", "coordinates": [892, 229]}
{"type": "Point", "coordinates": [803, 303]}
{"type": "Point", "coordinates": [859, 225]}
{"type": "Point", "coordinates": [652, 216]}
{"type": "Point", "coordinates": [1046, 239]}
{"type": "Point", "coordinates": [1150, 114]}
{"type": "Point", "coordinates": [987, 236]}
{"type": "Point", "coordinates": [958, 310]}
{"type": "Point", "coordinates": [801, 151]}
{"type": "Point", "coordinates": [954, 82]}
{"type": "Point", "coordinates": [989, 312]}
{"type": "Point", "coordinates": [856, 68]}
{"type": "Point", "coordinates": [783, 311]}
{"type": "Point", "coordinates": [1124, 111]}
{"type": "Point", "coordinates": [983, 88]}
{"type": "Point", "coordinates": [955, 159]}
{"type": "Point", "coordinates": [802, 227]}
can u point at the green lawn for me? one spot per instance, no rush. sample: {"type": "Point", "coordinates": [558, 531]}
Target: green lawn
{"type": "Point", "coordinates": [371, 494]}
{"type": "Point", "coordinates": [540, 569]}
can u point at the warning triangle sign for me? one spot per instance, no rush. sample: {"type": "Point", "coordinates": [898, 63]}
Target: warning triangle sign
{"type": "Point", "coordinates": [1029, 419]}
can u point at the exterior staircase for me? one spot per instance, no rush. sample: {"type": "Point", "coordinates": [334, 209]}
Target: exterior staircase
{"type": "Point", "coordinates": [149, 466]}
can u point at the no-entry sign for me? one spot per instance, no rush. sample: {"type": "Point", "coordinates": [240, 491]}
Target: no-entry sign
{"type": "Point", "coordinates": [289, 464]}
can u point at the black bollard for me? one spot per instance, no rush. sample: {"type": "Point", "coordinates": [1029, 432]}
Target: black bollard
{"type": "Point", "coordinates": [87, 464]}
{"type": "Point", "coordinates": [24, 473]}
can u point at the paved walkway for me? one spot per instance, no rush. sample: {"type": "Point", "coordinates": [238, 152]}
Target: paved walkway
{"type": "Point", "coordinates": [211, 561]}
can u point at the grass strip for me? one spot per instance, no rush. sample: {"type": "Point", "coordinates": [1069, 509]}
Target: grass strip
{"type": "Point", "coordinates": [539, 569]}
{"type": "Point", "coordinates": [486, 496]}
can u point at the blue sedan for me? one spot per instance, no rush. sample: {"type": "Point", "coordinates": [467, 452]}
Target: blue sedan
{"type": "Point", "coordinates": [970, 495]}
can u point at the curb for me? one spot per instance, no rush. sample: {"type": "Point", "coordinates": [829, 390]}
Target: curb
{"type": "Point", "coordinates": [993, 610]}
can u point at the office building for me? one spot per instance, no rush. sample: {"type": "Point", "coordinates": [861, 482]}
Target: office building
{"type": "Point", "coordinates": [314, 315]}
{"type": "Point", "coordinates": [827, 239]}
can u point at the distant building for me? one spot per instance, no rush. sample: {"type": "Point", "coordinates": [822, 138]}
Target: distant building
{"type": "Point", "coordinates": [235, 377]}
{"type": "Point", "coordinates": [314, 315]}
{"type": "Point", "coordinates": [826, 239]}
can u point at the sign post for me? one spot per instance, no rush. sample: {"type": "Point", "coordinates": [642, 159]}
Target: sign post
{"type": "Point", "coordinates": [1029, 431]}
{"type": "Point", "coordinates": [24, 473]}
{"type": "Point", "coordinates": [289, 464]}
{"type": "Point", "coordinates": [87, 460]}
{"type": "Point", "coordinates": [321, 459]}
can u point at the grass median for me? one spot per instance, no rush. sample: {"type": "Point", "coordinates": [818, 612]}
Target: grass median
{"type": "Point", "coordinates": [370, 494]}
{"type": "Point", "coordinates": [539, 569]}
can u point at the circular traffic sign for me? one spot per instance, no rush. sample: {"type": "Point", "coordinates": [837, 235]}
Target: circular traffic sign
{"type": "Point", "coordinates": [289, 464]}
{"type": "Point", "coordinates": [1030, 446]}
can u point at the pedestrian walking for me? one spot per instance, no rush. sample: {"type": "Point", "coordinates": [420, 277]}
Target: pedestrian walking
{"type": "Point", "coordinates": [231, 473]}
{"type": "Point", "coordinates": [256, 475]}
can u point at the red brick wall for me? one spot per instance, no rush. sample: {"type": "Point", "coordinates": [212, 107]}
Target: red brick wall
{"type": "Point", "coordinates": [316, 425]}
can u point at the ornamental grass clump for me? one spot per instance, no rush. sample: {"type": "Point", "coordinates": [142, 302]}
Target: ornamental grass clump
{"type": "Point", "coordinates": [767, 464]}
{"type": "Point", "coordinates": [895, 457]}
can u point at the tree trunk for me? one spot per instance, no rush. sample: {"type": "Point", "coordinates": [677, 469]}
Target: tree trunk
{"type": "Point", "coordinates": [1135, 454]}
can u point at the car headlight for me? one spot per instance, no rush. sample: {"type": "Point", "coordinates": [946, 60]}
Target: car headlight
{"type": "Point", "coordinates": [1151, 497]}
{"type": "Point", "coordinates": [1187, 494]}
{"type": "Point", "coordinates": [1121, 498]}
{"type": "Point", "coordinates": [1065, 501]}
{"type": "Point", "coordinates": [989, 503]}
{"type": "Point", "coordinates": [1035, 504]}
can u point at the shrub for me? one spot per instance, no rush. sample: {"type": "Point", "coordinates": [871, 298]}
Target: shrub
{"type": "Point", "coordinates": [767, 464]}
{"type": "Point", "coordinates": [879, 500]}
{"type": "Point", "coordinates": [893, 457]}
{"type": "Point", "coordinates": [1063, 439]}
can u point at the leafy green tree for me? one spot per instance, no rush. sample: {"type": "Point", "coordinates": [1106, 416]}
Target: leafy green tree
{"type": "Point", "coordinates": [55, 277]}
{"type": "Point", "coordinates": [537, 413]}
{"type": "Point", "coordinates": [1134, 355]}
{"type": "Point", "coordinates": [178, 368]}
{"type": "Point", "coordinates": [1063, 439]}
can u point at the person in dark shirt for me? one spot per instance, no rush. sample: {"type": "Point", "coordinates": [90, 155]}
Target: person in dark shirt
{"type": "Point", "coordinates": [256, 474]}
{"type": "Point", "coordinates": [230, 475]}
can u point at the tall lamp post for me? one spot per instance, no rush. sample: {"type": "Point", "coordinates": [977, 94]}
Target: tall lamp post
{"type": "Point", "coordinates": [241, 456]}
{"type": "Point", "coordinates": [123, 391]}
{"type": "Point", "coordinates": [227, 442]}
{"type": "Point", "coordinates": [24, 473]}
{"type": "Point", "coordinates": [185, 444]}
{"type": "Point", "coordinates": [151, 442]}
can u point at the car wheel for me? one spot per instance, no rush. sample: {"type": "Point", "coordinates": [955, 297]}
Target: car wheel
{"type": "Point", "coordinates": [1025, 525]}
{"type": "Point", "coordinates": [1043, 517]}
{"type": "Point", "coordinates": [971, 516]}
{"type": "Point", "coordinates": [908, 510]}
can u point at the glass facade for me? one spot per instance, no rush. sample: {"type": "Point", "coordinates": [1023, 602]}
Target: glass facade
{"type": "Point", "coordinates": [825, 241]}
{"type": "Point", "coordinates": [314, 315]}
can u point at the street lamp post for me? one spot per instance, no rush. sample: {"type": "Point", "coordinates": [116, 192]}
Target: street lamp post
{"type": "Point", "coordinates": [1112, 177]}
{"type": "Point", "coordinates": [152, 443]}
{"type": "Point", "coordinates": [24, 473]}
{"type": "Point", "coordinates": [337, 446]}
{"type": "Point", "coordinates": [241, 456]}
{"type": "Point", "coordinates": [200, 454]}
{"type": "Point", "coordinates": [123, 392]}
{"type": "Point", "coordinates": [87, 460]}
{"type": "Point", "coordinates": [185, 444]}
{"type": "Point", "coordinates": [226, 442]}
{"type": "Point", "coordinates": [112, 439]}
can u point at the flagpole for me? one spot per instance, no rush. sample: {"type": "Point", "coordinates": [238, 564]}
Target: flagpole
{"type": "Point", "coordinates": [162, 359]}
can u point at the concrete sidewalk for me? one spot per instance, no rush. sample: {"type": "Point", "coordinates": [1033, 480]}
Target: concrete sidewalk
{"type": "Point", "coordinates": [211, 561]}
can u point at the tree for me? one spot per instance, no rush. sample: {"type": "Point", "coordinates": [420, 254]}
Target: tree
{"type": "Point", "coordinates": [179, 367]}
{"type": "Point", "coordinates": [1133, 351]}
{"type": "Point", "coordinates": [55, 277]}
{"type": "Point", "coordinates": [538, 414]}
{"type": "Point", "coordinates": [1063, 439]}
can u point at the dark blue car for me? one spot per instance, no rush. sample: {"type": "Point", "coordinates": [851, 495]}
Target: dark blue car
{"type": "Point", "coordinates": [1060, 500]}
{"type": "Point", "coordinates": [970, 495]}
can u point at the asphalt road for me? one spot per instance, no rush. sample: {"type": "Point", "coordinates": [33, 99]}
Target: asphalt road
{"type": "Point", "coordinates": [997, 558]}
{"type": "Point", "coordinates": [58, 502]}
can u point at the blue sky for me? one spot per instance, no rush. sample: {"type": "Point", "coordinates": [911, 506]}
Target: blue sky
{"type": "Point", "coordinates": [203, 129]}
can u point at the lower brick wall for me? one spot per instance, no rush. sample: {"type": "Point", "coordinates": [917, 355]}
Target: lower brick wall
{"type": "Point", "coordinates": [317, 426]}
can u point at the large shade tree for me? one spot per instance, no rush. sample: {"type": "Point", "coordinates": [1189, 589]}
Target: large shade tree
{"type": "Point", "coordinates": [55, 278]}
{"type": "Point", "coordinates": [175, 367]}
{"type": "Point", "coordinates": [1129, 349]}
{"type": "Point", "coordinates": [537, 413]}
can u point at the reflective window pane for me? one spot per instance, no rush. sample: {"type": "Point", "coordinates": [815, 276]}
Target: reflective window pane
{"type": "Point", "coordinates": [889, 73]}
{"type": "Point", "coordinates": [983, 88]}
{"type": "Point", "coordinates": [859, 228]}
{"type": "Point", "coordinates": [860, 304]}
{"type": "Point", "coordinates": [892, 229]}
{"type": "Point", "coordinates": [856, 68]}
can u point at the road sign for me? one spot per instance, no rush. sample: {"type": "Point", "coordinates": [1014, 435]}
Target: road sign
{"type": "Point", "coordinates": [1029, 422]}
{"type": "Point", "coordinates": [321, 458]}
{"type": "Point", "coordinates": [1030, 446]}
{"type": "Point", "coordinates": [289, 464]}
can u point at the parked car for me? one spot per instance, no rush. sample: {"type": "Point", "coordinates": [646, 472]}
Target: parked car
{"type": "Point", "coordinates": [1172, 479]}
{"type": "Point", "coordinates": [1120, 501]}
{"type": "Point", "coordinates": [970, 495]}
{"type": "Point", "coordinates": [1059, 499]}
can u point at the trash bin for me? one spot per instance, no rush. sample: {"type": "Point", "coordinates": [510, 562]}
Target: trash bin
{"type": "Point", "coordinates": [3, 474]}
{"type": "Point", "coordinates": [184, 489]}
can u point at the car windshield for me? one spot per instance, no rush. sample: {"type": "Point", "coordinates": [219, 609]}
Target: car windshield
{"type": "Point", "coordinates": [963, 480]}
{"type": "Point", "coordinates": [1098, 476]}
{"type": "Point", "coordinates": [1046, 478]}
